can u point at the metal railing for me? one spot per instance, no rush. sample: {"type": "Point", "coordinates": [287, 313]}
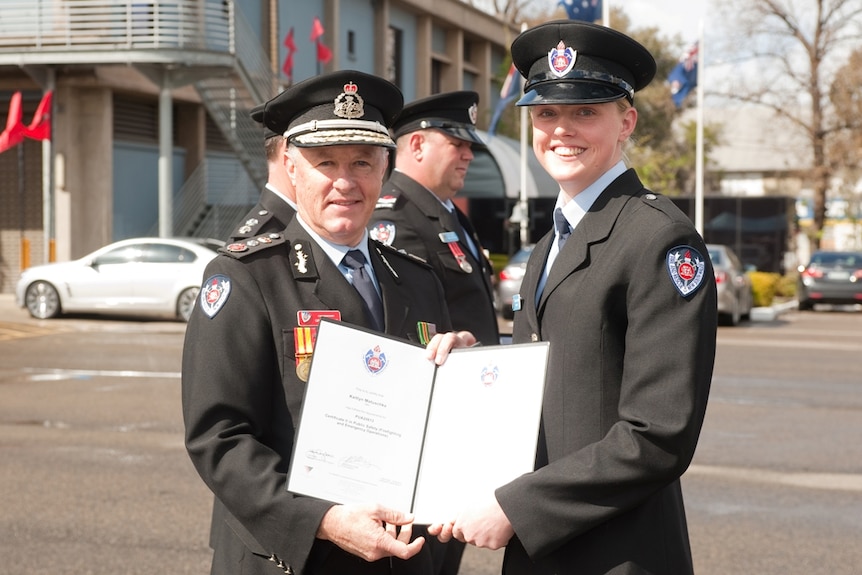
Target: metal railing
{"type": "Point", "coordinates": [115, 24]}
{"type": "Point", "coordinates": [211, 35]}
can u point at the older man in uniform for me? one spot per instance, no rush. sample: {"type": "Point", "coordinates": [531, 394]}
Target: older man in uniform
{"type": "Point", "coordinates": [277, 203]}
{"type": "Point", "coordinates": [244, 360]}
{"type": "Point", "coordinates": [436, 137]}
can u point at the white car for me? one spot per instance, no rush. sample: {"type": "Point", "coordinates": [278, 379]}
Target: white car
{"type": "Point", "coordinates": [138, 276]}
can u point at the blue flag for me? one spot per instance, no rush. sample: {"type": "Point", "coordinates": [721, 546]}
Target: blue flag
{"type": "Point", "coordinates": [587, 10]}
{"type": "Point", "coordinates": [510, 90]}
{"type": "Point", "coordinates": [683, 77]}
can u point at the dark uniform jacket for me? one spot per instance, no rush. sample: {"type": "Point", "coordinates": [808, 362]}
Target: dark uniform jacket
{"type": "Point", "coordinates": [419, 219]}
{"type": "Point", "coordinates": [242, 396]}
{"type": "Point", "coordinates": [629, 372]}
{"type": "Point", "coordinates": [271, 214]}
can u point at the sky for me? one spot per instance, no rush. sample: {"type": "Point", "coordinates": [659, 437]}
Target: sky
{"type": "Point", "coordinates": [670, 16]}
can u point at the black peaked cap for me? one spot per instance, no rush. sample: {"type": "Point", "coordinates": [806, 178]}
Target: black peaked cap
{"type": "Point", "coordinates": [575, 62]}
{"type": "Point", "coordinates": [455, 113]}
{"type": "Point", "coordinates": [343, 107]}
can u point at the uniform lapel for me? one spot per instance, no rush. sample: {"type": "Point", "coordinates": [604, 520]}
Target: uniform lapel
{"type": "Point", "coordinates": [530, 282]}
{"type": "Point", "coordinates": [321, 283]}
{"type": "Point", "coordinates": [395, 303]}
{"type": "Point", "coordinates": [595, 226]}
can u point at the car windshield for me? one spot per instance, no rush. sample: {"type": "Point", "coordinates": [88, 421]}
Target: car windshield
{"type": "Point", "coordinates": [838, 259]}
{"type": "Point", "coordinates": [521, 255]}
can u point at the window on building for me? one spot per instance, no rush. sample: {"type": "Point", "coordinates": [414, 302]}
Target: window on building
{"type": "Point", "coordinates": [395, 54]}
{"type": "Point", "coordinates": [351, 44]}
{"type": "Point", "coordinates": [437, 69]}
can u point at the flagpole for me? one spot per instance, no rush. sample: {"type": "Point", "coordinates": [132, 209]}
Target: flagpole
{"type": "Point", "coordinates": [698, 189]}
{"type": "Point", "coordinates": [606, 13]}
{"type": "Point", "coordinates": [522, 200]}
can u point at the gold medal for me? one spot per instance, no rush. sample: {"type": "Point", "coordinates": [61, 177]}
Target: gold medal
{"type": "Point", "coordinates": [303, 368]}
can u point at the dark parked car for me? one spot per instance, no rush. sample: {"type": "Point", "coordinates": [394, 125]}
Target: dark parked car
{"type": "Point", "coordinates": [733, 285]}
{"type": "Point", "coordinates": [832, 278]}
{"type": "Point", "coordinates": [139, 276]}
{"type": "Point", "coordinates": [510, 281]}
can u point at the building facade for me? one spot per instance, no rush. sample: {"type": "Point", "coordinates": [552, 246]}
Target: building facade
{"type": "Point", "coordinates": [150, 126]}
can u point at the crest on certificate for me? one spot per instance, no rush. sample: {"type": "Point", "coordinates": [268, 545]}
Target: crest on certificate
{"type": "Point", "coordinates": [375, 360]}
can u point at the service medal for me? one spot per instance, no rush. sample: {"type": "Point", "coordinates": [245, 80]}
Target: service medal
{"type": "Point", "coordinates": [303, 368]}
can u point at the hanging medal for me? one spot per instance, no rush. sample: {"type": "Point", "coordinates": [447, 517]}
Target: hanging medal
{"type": "Point", "coordinates": [305, 336]}
{"type": "Point", "coordinates": [451, 240]}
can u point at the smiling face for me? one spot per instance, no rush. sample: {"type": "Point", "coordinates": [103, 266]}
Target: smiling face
{"type": "Point", "coordinates": [436, 160]}
{"type": "Point", "coordinates": [337, 188]}
{"type": "Point", "coordinates": [577, 143]}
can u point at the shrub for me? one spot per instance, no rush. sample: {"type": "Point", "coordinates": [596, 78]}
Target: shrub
{"type": "Point", "coordinates": [764, 286]}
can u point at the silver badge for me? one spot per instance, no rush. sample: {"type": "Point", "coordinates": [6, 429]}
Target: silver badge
{"type": "Point", "coordinates": [301, 259]}
{"type": "Point", "coordinates": [349, 104]}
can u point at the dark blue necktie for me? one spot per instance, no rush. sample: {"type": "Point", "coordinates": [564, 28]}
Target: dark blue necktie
{"type": "Point", "coordinates": [355, 260]}
{"type": "Point", "coordinates": [564, 230]}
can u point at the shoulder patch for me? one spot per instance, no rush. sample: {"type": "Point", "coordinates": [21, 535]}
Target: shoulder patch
{"type": "Point", "coordinates": [243, 248]}
{"type": "Point", "coordinates": [383, 231]}
{"type": "Point", "coordinates": [386, 202]}
{"type": "Point", "coordinates": [686, 268]}
{"type": "Point", "coordinates": [214, 294]}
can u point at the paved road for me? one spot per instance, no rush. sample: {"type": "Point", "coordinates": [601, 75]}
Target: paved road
{"type": "Point", "coordinates": [94, 478]}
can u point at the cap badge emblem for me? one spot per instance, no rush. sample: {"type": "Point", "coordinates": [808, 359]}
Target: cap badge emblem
{"type": "Point", "coordinates": [349, 104]}
{"type": "Point", "coordinates": [561, 59]}
{"type": "Point", "coordinates": [474, 113]}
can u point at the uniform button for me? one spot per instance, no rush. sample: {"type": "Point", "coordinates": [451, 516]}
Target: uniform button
{"type": "Point", "coordinates": [650, 197]}
{"type": "Point", "coordinates": [534, 337]}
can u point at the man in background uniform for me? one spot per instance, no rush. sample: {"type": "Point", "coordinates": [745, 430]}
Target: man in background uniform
{"type": "Point", "coordinates": [277, 203]}
{"type": "Point", "coordinates": [435, 138]}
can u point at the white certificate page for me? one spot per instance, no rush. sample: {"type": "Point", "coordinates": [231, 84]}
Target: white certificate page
{"type": "Point", "coordinates": [362, 422]}
{"type": "Point", "coordinates": [482, 428]}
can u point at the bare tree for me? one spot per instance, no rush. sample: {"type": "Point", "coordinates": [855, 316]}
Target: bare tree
{"type": "Point", "coordinates": [797, 46]}
{"type": "Point", "coordinates": [513, 11]}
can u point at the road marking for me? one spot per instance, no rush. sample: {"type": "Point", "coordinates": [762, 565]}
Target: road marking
{"type": "Point", "coordinates": [10, 331]}
{"type": "Point", "coordinates": [827, 481]}
{"type": "Point", "coordinates": [783, 343]}
{"type": "Point", "coordinates": [42, 374]}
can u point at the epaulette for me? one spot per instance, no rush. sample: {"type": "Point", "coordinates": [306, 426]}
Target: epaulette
{"type": "Point", "coordinates": [251, 226]}
{"type": "Point", "coordinates": [243, 248]}
{"type": "Point", "coordinates": [386, 202]}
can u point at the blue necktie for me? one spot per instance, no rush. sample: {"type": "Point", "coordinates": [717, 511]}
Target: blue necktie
{"type": "Point", "coordinates": [355, 260]}
{"type": "Point", "coordinates": [564, 230]}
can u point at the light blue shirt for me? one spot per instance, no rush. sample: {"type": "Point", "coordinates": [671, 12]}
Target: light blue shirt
{"type": "Point", "coordinates": [336, 253]}
{"type": "Point", "coordinates": [575, 210]}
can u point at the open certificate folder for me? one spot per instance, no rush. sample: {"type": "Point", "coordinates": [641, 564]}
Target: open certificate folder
{"type": "Point", "coordinates": [382, 424]}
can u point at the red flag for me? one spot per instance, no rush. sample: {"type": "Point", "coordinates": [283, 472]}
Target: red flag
{"type": "Point", "coordinates": [287, 67]}
{"type": "Point", "coordinates": [40, 127]}
{"type": "Point", "coordinates": [14, 132]}
{"type": "Point", "coordinates": [324, 54]}
{"type": "Point", "coordinates": [316, 29]}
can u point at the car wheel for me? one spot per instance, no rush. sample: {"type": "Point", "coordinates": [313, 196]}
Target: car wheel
{"type": "Point", "coordinates": [186, 302]}
{"type": "Point", "coordinates": [42, 300]}
{"type": "Point", "coordinates": [806, 305]}
{"type": "Point", "coordinates": [507, 312]}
